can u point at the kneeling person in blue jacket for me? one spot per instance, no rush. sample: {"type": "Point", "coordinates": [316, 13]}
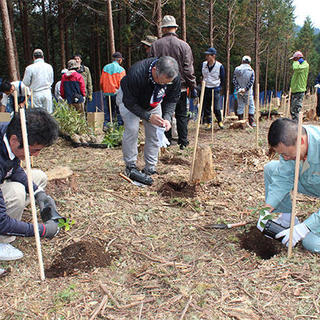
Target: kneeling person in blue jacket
{"type": "Point", "coordinates": [279, 179]}
{"type": "Point", "coordinates": [42, 132]}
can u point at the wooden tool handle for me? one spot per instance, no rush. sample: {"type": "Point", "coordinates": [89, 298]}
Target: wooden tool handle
{"type": "Point", "coordinates": [238, 224]}
{"type": "Point", "coordinates": [125, 177]}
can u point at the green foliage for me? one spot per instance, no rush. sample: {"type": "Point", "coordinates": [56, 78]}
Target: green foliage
{"type": "Point", "coordinates": [70, 120]}
{"type": "Point", "coordinates": [113, 135]}
{"type": "Point", "coordinates": [262, 213]}
{"type": "Point", "coordinates": [67, 294]}
{"type": "Point", "coordinates": [65, 224]}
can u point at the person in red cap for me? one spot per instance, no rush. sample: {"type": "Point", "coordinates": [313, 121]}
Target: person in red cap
{"type": "Point", "coordinates": [298, 83]}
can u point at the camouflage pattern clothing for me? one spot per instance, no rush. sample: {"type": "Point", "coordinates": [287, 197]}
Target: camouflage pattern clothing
{"type": "Point", "coordinates": [296, 104]}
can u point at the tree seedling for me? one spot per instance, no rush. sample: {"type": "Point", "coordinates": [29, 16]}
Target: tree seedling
{"type": "Point", "coordinates": [264, 214]}
{"type": "Point", "coordinates": [66, 224]}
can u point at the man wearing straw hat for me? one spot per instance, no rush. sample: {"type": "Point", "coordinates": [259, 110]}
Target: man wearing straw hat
{"type": "Point", "coordinates": [279, 179]}
{"type": "Point", "coordinates": [42, 132]}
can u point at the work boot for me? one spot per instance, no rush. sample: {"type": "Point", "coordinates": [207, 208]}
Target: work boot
{"type": "Point", "coordinates": [251, 120]}
{"type": "Point", "coordinates": [240, 116]}
{"type": "Point", "coordinates": [220, 124]}
{"type": "Point", "coordinates": [149, 171]}
{"type": "Point", "coordinates": [135, 174]}
{"type": "Point", "coordinates": [9, 252]}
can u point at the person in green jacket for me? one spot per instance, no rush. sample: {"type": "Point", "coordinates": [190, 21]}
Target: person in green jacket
{"type": "Point", "coordinates": [298, 83]}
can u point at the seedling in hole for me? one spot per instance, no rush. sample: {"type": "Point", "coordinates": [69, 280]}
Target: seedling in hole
{"type": "Point", "coordinates": [65, 224]}
{"type": "Point", "coordinates": [263, 215]}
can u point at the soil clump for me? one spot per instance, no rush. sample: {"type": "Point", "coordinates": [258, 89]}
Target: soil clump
{"type": "Point", "coordinates": [177, 190]}
{"type": "Point", "coordinates": [175, 161]}
{"type": "Point", "coordinates": [82, 256]}
{"type": "Point", "coordinates": [255, 241]}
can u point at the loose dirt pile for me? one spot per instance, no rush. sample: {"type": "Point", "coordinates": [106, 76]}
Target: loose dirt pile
{"type": "Point", "coordinates": [174, 161]}
{"type": "Point", "coordinates": [79, 257]}
{"type": "Point", "coordinates": [178, 190]}
{"type": "Point", "coordinates": [255, 241]}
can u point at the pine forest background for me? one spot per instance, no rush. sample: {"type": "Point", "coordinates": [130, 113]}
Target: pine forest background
{"type": "Point", "coordinates": [263, 29]}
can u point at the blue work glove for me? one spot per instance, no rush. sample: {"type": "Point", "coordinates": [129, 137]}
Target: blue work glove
{"type": "Point", "coordinates": [301, 60]}
{"type": "Point", "coordinates": [299, 232]}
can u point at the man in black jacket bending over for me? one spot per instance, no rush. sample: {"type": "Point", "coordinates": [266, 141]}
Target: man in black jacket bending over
{"type": "Point", "coordinates": [140, 95]}
{"type": "Point", "coordinates": [42, 131]}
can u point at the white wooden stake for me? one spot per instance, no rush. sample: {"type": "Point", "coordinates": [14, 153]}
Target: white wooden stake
{"type": "Point", "coordinates": [31, 193]}
{"type": "Point", "coordinates": [257, 115]}
{"type": "Point", "coordinates": [197, 129]}
{"type": "Point", "coordinates": [296, 179]}
{"type": "Point", "coordinates": [110, 109]}
{"type": "Point", "coordinates": [212, 107]}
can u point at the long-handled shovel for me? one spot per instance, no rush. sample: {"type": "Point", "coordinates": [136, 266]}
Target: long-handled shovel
{"type": "Point", "coordinates": [226, 225]}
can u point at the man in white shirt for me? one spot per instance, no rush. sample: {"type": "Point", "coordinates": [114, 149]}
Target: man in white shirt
{"type": "Point", "coordinates": [39, 77]}
{"type": "Point", "coordinates": [8, 88]}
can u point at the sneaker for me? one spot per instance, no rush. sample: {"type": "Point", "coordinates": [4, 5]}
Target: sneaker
{"type": "Point", "coordinates": [220, 124]}
{"type": "Point", "coordinates": [9, 252]}
{"type": "Point", "coordinates": [135, 174]}
{"type": "Point", "coordinates": [149, 171]}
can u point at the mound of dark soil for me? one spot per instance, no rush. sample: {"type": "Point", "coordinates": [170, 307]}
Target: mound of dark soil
{"type": "Point", "coordinates": [174, 161]}
{"type": "Point", "coordinates": [177, 190]}
{"type": "Point", "coordinates": [78, 257]}
{"type": "Point", "coordinates": [255, 241]}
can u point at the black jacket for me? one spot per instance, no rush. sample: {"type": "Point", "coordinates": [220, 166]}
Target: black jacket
{"type": "Point", "coordinates": [137, 90]}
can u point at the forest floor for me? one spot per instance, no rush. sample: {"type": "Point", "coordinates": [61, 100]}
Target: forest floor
{"type": "Point", "coordinates": [145, 253]}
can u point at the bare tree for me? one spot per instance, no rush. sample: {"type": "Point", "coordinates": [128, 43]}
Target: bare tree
{"type": "Point", "coordinates": [158, 14]}
{"type": "Point", "coordinates": [211, 25]}
{"type": "Point", "coordinates": [110, 27]}
{"type": "Point", "coordinates": [183, 21]}
{"type": "Point", "coordinates": [45, 30]}
{"type": "Point", "coordinates": [257, 47]}
{"type": "Point", "coordinates": [8, 40]}
{"type": "Point", "coordinates": [61, 20]}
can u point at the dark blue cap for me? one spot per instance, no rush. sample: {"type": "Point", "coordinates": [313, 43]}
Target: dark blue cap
{"type": "Point", "coordinates": [211, 51]}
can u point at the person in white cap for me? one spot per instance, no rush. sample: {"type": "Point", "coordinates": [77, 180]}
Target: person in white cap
{"type": "Point", "coordinates": [171, 45]}
{"type": "Point", "coordinates": [39, 77]}
{"type": "Point", "coordinates": [298, 83]}
{"type": "Point", "coordinates": [243, 80]}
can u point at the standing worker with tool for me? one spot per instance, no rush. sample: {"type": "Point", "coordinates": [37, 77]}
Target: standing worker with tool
{"type": "Point", "coordinates": [214, 76]}
{"type": "Point", "coordinates": [42, 132]}
{"type": "Point", "coordinates": [243, 80]}
{"type": "Point", "coordinates": [171, 45]}
{"type": "Point", "coordinates": [298, 84]}
{"type": "Point", "coordinates": [140, 96]}
{"type": "Point", "coordinates": [279, 179]}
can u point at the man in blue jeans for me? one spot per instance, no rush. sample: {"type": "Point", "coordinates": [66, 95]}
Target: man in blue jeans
{"type": "Point", "coordinates": [279, 178]}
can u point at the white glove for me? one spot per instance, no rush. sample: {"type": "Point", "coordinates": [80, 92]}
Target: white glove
{"type": "Point", "coordinates": [285, 219]}
{"type": "Point", "coordinates": [299, 232]}
{"type": "Point", "coordinates": [263, 218]}
{"type": "Point", "coordinates": [163, 142]}
{"type": "Point", "coordinates": [241, 91]}
{"type": "Point", "coordinates": [317, 85]}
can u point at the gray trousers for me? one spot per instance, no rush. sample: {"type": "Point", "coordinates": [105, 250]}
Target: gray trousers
{"type": "Point", "coordinates": [16, 199]}
{"type": "Point", "coordinates": [130, 136]}
{"type": "Point", "coordinates": [43, 99]}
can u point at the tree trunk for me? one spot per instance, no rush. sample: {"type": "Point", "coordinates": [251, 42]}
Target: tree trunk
{"type": "Point", "coordinates": [45, 30]}
{"type": "Point", "coordinates": [158, 17]}
{"type": "Point", "coordinates": [183, 21]}
{"type": "Point", "coordinates": [110, 27]}
{"type": "Point", "coordinates": [52, 38]}
{"type": "Point", "coordinates": [25, 31]}
{"type": "Point", "coordinates": [266, 77]}
{"type": "Point", "coordinates": [228, 48]}
{"type": "Point", "coordinates": [66, 41]}
{"type": "Point", "coordinates": [211, 23]}
{"type": "Point", "coordinates": [277, 72]}
{"type": "Point", "coordinates": [256, 49]}
{"type": "Point", "coordinates": [8, 41]}
{"type": "Point", "coordinates": [61, 33]}
{"type": "Point", "coordinates": [14, 41]}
